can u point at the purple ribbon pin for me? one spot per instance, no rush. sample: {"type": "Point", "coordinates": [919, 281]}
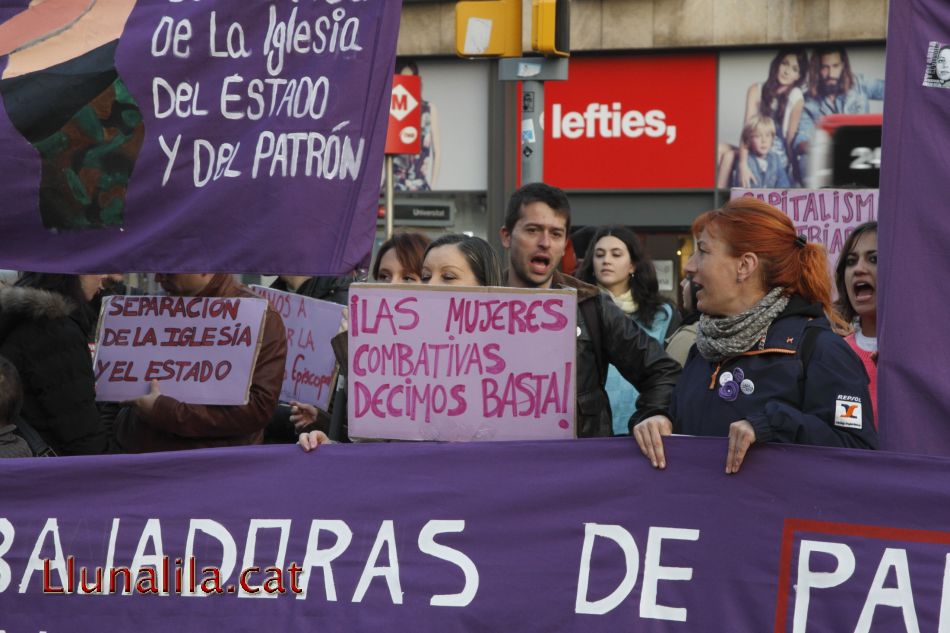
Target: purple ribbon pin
{"type": "Point", "coordinates": [729, 391]}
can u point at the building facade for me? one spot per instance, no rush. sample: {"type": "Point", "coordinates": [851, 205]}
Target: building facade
{"type": "Point", "coordinates": [646, 130]}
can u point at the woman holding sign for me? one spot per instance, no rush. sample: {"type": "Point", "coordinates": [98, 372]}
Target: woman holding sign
{"type": "Point", "coordinates": [461, 260]}
{"type": "Point", "coordinates": [766, 366]}
{"type": "Point", "coordinates": [45, 325]}
{"type": "Point", "coordinates": [398, 261]}
{"type": "Point", "coordinates": [451, 260]}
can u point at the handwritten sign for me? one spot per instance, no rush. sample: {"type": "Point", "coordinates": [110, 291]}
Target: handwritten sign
{"type": "Point", "coordinates": [311, 366]}
{"type": "Point", "coordinates": [201, 119]}
{"type": "Point", "coordinates": [470, 364]}
{"type": "Point", "coordinates": [824, 216]}
{"type": "Point", "coordinates": [202, 350]}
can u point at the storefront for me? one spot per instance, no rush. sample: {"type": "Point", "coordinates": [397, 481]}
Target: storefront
{"type": "Point", "coordinates": [645, 140]}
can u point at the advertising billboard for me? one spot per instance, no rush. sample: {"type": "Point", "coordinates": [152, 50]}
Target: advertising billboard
{"type": "Point", "coordinates": [771, 103]}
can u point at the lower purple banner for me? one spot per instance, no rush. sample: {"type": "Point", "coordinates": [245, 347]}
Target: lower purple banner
{"type": "Point", "coordinates": [515, 536]}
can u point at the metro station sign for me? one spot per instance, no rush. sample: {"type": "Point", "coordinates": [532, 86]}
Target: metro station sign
{"type": "Point", "coordinates": [405, 116]}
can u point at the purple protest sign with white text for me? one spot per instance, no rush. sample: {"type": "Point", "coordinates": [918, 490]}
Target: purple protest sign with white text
{"type": "Point", "coordinates": [914, 375]}
{"type": "Point", "coordinates": [212, 136]}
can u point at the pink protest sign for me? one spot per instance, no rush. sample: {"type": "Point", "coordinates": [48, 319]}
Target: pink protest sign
{"type": "Point", "coordinates": [311, 365]}
{"type": "Point", "coordinates": [824, 216]}
{"type": "Point", "coordinates": [444, 363]}
{"type": "Point", "coordinates": [201, 350]}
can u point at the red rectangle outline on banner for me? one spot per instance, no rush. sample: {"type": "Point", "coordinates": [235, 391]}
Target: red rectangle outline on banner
{"type": "Point", "coordinates": [846, 529]}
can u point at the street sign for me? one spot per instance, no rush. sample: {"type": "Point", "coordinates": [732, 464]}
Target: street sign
{"type": "Point", "coordinates": [428, 212]}
{"type": "Point", "coordinates": [405, 116]}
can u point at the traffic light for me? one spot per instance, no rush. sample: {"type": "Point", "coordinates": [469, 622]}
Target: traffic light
{"type": "Point", "coordinates": [488, 28]}
{"type": "Point", "coordinates": [551, 27]}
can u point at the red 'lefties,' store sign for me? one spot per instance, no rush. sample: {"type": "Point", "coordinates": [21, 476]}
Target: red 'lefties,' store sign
{"type": "Point", "coordinates": [632, 123]}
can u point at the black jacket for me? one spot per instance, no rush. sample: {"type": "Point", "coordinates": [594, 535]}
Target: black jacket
{"type": "Point", "coordinates": [45, 336]}
{"type": "Point", "coordinates": [333, 289]}
{"type": "Point", "coordinates": [787, 394]}
{"type": "Point", "coordinates": [617, 340]}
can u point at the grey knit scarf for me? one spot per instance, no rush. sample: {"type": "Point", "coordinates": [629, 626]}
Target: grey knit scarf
{"type": "Point", "coordinates": [724, 337]}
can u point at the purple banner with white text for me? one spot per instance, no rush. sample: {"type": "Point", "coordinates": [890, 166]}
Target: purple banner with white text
{"type": "Point", "coordinates": [914, 377]}
{"type": "Point", "coordinates": [564, 535]}
{"type": "Point", "coordinates": [213, 136]}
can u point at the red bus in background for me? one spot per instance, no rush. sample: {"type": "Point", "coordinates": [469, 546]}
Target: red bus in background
{"type": "Point", "coordinates": [846, 152]}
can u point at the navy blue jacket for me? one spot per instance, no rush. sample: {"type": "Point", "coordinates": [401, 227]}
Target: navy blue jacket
{"type": "Point", "coordinates": [825, 404]}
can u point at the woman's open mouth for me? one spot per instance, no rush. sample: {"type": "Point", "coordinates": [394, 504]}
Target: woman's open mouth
{"type": "Point", "coordinates": [863, 291]}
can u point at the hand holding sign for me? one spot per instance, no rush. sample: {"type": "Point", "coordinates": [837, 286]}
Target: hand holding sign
{"type": "Point", "coordinates": [146, 403]}
{"type": "Point", "coordinates": [302, 415]}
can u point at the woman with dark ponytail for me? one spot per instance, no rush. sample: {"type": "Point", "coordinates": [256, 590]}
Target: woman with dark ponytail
{"type": "Point", "coordinates": [766, 366]}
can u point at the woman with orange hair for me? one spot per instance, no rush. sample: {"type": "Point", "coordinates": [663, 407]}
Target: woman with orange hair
{"type": "Point", "coordinates": [766, 366]}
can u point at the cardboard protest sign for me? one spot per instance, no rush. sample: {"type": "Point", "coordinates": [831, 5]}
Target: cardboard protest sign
{"type": "Point", "coordinates": [311, 366]}
{"type": "Point", "coordinates": [444, 363]}
{"type": "Point", "coordinates": [201, 350]}
{"type": "Point", "coordinates": [156, 135]}
{"type": "Point", "coordinates": [823, 216]}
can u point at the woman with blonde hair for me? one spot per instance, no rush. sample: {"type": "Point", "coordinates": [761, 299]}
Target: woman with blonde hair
{"type": "Point", "coordinates": [766, 366]}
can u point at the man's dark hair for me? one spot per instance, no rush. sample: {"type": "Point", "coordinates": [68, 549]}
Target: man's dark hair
{"type": "Point", "coordinates": [814, 72]}
{"type": "Point", "coordinates": [537, 192]}
{"type": "Point", "coordinates": [11, 392]}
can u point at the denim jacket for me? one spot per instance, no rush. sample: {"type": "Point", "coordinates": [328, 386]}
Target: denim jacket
{"type": "Point", "coordinates": [855, 101]}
